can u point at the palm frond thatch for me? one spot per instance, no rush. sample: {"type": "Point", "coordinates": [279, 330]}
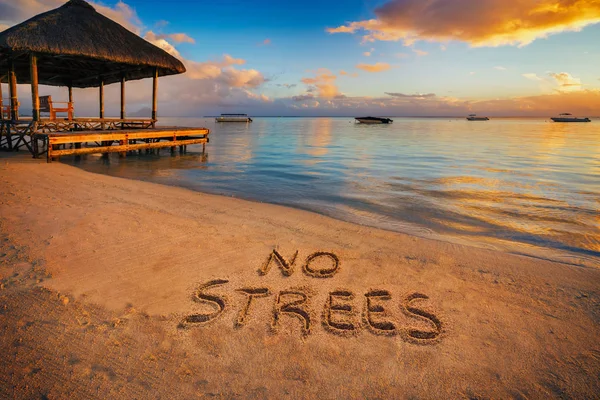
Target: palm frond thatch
{"type": "Point", "coordinates": [77, 46]}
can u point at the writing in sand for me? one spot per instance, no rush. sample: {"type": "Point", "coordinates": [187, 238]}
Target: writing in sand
{"type": "Point", "coordinates": [344, 312]}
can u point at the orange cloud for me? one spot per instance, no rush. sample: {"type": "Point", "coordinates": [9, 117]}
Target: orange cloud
{"type": "Point", "coordinates": [581, 102]}
{"type": "Point", "coordinates": [420, 53]}
{"type": "Point", "coordinates": [558, 82]}
{"type": "Point", "coordinates": [566, 80]}
{"type": "Point", "coordinates": [324, 81]}
{"type": "Point", "coordinates": [224, 72]}
{"type": "Point", "coordinates": [378, 67]}
{"type": "Point", "coordinates": [180, 38]}
{"type": "Point", "coordinates": [480, 23]}
{"type": "Point", "coordinates": [353, 75]}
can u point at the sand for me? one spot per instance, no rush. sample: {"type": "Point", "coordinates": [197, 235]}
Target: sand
{"type": "Point", "coordinates": [113, 288]}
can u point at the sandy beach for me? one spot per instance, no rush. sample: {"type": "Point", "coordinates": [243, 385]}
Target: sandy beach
{"type": "Point", "coordinates": [114, 288]}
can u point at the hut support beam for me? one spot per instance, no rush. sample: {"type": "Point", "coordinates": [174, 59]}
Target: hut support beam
{"type": "Point", "coordinates": [14, 101]}
{"type": "Point", "coordinates": [1, 105]}
{"type": "Point", "coordinates": [101, 98]}
{"type": "Point", "coordinates": [123, 97]}
{"type": "Point", "coordinates": [35, 98]}
{"type": "Point", "coordinates": [154, 94]}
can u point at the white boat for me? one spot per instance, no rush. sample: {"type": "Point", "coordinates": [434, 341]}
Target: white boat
{"type": "Point", "coordinates": [373, 120]}
{"type": "Point", "coordinates": [474, 117]}
{"type": "Point", "coordinates": [233, 118]}
{"type": "Point", "coordinates": [567, 117]}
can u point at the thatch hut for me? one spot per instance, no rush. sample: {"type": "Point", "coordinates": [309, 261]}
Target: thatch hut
{"type": "Point", "coordinates": [75, 46]}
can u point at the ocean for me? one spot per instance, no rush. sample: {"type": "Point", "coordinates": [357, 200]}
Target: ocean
{"type": "Point", "coordinates": [525, 186]}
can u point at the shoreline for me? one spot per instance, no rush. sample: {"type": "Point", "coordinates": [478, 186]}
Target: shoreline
{"type": "Point", "coordinates": [400, 316]}
{"type": "Point", "coordinates": [580, 258]}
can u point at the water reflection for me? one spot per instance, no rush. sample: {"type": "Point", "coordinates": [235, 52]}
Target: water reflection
{"type": "Point", "coordinates": [316, 140]}
{"type": "Point", "coordinates": [526, 186]}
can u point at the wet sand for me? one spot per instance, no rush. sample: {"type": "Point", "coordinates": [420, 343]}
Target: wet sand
{"type": "Point", "coordinates": [113, 288]}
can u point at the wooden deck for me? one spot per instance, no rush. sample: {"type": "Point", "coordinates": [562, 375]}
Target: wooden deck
{"type": "Point", "coordinates": [80, 136]}
{"type": "Point", "coordinates": [76, 143]}
{"type": "Point", "coordinates": [15, 134]}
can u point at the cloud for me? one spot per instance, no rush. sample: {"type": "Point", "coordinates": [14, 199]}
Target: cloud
{"type": "Point", "coordinates": [420, 53]}
{"type": "Point", "coordinates": [179, 38]}
{"type": "Point", "coordinates": [480, 23]}
{"type": "Point", "coordinates": [557, 82]}
{"type": "Point", "coordinates": [266, 42]}
{"type": "Point", "coordinates": [121, 13]}
{"type": "Point", "coordinates": [324, 82]}
{"type": "Point", "coordinates": [500, 68]}
{"type": "Point", "coordinates": [367, 54]}
{"type": "Point", "coordinates": [352, 75]}
{"type": "Point", "coordinates": [224, 72]}
{"type": "Point", "coordinates": [162, 43]}
{"type": "Point", "coordinates": [377, 67]}
{"type": "Point", "coordinates": [566, 80]}
{"type": "Point", "coordinates": [412, 96]}
{"type": "Point", "coordinates": [532, 76]}
{"type": "Point", "coordinates": [286, 85]}
{"type": "Point", "coordinates": [585, 102]}
{"type": "Point", "coordinates": [303, 97]}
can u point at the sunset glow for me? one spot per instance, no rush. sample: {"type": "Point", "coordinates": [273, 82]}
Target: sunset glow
{"type": "Point", "coordinates": [501, 58]}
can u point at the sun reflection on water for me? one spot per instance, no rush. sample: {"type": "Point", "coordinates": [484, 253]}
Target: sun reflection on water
{"type": "Point", "coordinates": [521, 185]}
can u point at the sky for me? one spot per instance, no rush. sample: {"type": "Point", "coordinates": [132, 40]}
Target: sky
{"type": "Point", "coordinates": [355, 57]}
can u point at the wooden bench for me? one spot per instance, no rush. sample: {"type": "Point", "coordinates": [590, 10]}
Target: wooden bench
{"type": "Point", "coordinates": [47, 105]}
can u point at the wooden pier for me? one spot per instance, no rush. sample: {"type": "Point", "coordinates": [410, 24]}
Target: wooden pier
{"type": "Point", "coordinates": [57, 138]}
{"type": "Point", "coordinates": [123, 141]}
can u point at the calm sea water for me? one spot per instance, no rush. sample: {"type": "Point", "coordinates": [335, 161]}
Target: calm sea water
{"type": "Point", "coordinates": [525, 186]}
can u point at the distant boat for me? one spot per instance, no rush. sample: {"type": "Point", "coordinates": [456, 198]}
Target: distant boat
{"type": "Point", "coordinates": [474, 117]}
{"type": "Point", "coordinates": [233, 118]}
{"type": "Point", "coordinates": [567, 117]}
{"type": "Point", "coordinates": [373, 120]}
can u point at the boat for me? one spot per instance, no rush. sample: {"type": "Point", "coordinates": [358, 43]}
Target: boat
{"type": "Point", "coordinates": [233, 118]}
{"type": "Point", "coordinates": [567, 117]}
{"type": "Point", "coordinates": [373, 120]}
{"type": "Point", "coordinates": [474, 117]}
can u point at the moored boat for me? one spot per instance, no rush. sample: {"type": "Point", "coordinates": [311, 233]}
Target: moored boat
{"type": "Point", "coordinates": [568, 117]}
{"type": "Point", "coordinates": [373, 120]}
{"type": "Point", "coordinates": [474, 117]}
{"type": "Point", "coordinates": [233, 118]}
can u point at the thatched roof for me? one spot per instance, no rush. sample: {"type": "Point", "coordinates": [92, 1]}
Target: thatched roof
{"type": "Point", "coordinates": [76, 45]}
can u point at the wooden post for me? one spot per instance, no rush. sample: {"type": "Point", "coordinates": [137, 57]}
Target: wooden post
{"type": "Point", "coordinates": [101, 97]}
{"type": "Point", "coordinates": [1, 104]}
{"type": "Point", "coordinates": [35, 98]}
{"type": "Point", "coordinates": [123, 97]}
{"type": "Point", "coordinates": [154, 93]}
{"type": "Point", "coordinates": [14, 100]}
{"type": "Point", "coordinates": [70, 88]}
